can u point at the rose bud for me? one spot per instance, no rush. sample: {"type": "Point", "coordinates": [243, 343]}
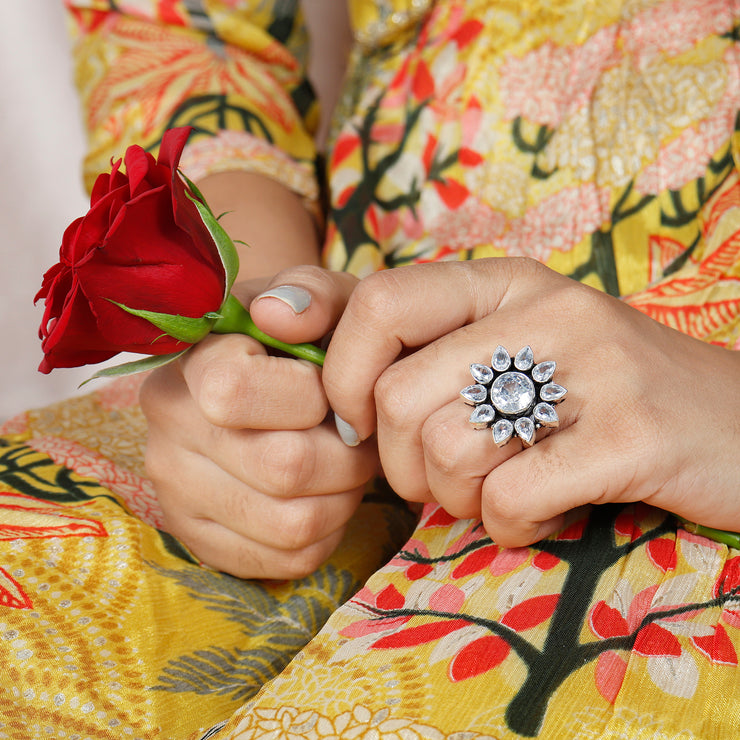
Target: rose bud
{"type": "Point", "coordinates": [148, 269]}
{"type": "Point", "coordinates": [143, 245]}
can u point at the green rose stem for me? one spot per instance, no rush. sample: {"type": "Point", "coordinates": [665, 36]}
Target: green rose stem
{"type": "Point", "coordinates": [724, 537]}
{"type": "Point", "coordinates": [235, 319]}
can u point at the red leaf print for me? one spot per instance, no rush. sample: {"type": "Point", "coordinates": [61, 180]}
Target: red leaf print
{"type": "Point", "coordinates": [625, 525]}
{"type": "Point", "coordinates": [477, 560]}
{"type": "Point", "coordinates": [420, 634]}
{"type": "Point", "coordinates": [423, 83]}
{"type": "Point", "coordinates": [400, 77]}
{"type": "Point", "coordinates": [466, 33]}
{"type": "Point", "coordinates": [469, 157]}
{"type": "Point", "coordinates": [717, 647]}
{"type": "Point", "coordinates": [344, 196]}
{"type": "Point", "coordinates": [440, 518]}
{"type": "Point", "coordinates": [610, 670]}
{"type": "Point", "coordinates": [606, 621]}
{"type": "Point", "coordinates": [11, 594]}
{"type": "Point", "coordinates": [573, 531]}
{"type": "Point", "coordinates": [656, 641]}
{"type": "Point", "coordinates": [390, 598]}
{"type": "Point", "coordinates": [169, 12]}
{"type": "Point", "coordinates": [478, 657]}
{"type": "Point", "coordinates": [452, 193]}
{"type": "Point", "coordinates": [545, 561]}
{"type": "Point", "coordinates": [531, 612]}
{"type": "Point", "coordinates": [427, 156]}
{"type": "Point", "coordinates": [662, 553]}
{"type": "Point", "coordinates": [25, 517]}
{"type": "Point", "coordinates": [417, 571]}
{"type": "Point", "coordinates": [181, 61]}
{"type": "Point", "coordinates": [729, 579]}
{"type": "Point", "coordinates": [343, 148]}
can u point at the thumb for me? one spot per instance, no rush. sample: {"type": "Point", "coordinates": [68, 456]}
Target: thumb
{"type": "Point", "coordinates": [302, 304]}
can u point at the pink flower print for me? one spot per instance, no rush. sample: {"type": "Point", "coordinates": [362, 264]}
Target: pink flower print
{"type": "Point", "coordinates": [685, 158]}
{"type": "Point", "coordinates": [675, 27]}
{"type": "Point", "coordinates": [549, 83]}
{"type": "Point", "coordinates": [557, 222]}
{"type": "Point", "coordinates": [473, 223]}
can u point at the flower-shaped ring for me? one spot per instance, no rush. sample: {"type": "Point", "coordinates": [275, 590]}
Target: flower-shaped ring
{"type": "Point", "coordinates": [513, 396]}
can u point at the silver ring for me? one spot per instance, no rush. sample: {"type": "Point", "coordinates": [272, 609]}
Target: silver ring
{"type": "Point", "coordinates": [513, 396]}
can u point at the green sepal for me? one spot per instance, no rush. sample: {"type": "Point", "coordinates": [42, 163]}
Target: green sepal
{"type": "Point", "coordinates": [235, 319]}
{"type": "Point", "coordinates": [225, 246]}
{"type": "Point", "coordinates": [136, 366]}
{"type": "Point", "coordinates": [188, 329]}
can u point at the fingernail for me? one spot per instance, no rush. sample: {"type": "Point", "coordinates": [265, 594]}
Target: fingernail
{"type": "Point", "coordinates": [297, 298]}
{"type": "Point", "coordinates": [346, 432]}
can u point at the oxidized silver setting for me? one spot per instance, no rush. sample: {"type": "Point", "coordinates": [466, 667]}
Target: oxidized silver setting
{"type": "Point", "coordinates": [514, 397]}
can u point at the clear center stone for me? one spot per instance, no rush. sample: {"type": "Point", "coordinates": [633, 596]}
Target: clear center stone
{"type": "Point", "coordinates": [512, 393]}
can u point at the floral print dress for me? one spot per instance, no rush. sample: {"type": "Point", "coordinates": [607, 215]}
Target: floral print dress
{"type": "Point", "coordinates": [597, 137]}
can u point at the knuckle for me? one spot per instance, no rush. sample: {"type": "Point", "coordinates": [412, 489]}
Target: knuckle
{"type": "Point", "coordinates": [218, 392]}
{"type": "Point", "coordinates": [301, 525]}
{"type": "Point", "coordinates": [395, 400]}
{"type": "Point", "coordinates": [288, 462]}
{"type": "Point", "coordinates": [500, 503]}
{"type": "Point", "coordinates": [376, 297]}
{"type": "Point", "coordinates": [154, 463]}
{"type": "Point", "coordinates": [444, 447]}
{"type": "Point", "coordinates": [302, 564]}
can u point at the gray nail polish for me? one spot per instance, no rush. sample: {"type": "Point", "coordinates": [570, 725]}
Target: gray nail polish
{"type": "Point", "coordinates": [297, 298]}
{"type": "Point", "coordinates": [346, 432]}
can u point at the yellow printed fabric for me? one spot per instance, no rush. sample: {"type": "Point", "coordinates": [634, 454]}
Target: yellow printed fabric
{"type": "Point", "coordinates": [597, 136]}
{"type": "Point", "coordinates": [232, 70]}
{"type": "Point", "coordinates": [108, 626]}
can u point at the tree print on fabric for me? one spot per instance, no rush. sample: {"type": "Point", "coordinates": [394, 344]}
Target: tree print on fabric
{"type": "Point", "coordinates": [404, 165]}
{"type": "Point", "coordinates": [658, 623]}
{"type": "Point", "coordinates": [274, 627]}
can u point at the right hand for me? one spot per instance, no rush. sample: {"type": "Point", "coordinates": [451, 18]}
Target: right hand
{"type": "Point", "coordinates": [250, 473]}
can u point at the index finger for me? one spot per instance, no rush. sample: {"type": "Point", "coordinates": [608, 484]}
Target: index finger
{"type": "Point", "coordinates": [237, 385]}
{"type": "Point", "coordinates": [402, 308]}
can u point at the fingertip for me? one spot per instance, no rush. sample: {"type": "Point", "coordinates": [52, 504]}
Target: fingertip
{"type": "Point", "coordinates": [522, 534]}
{"type": "Point", "coordinates": [547, 528]}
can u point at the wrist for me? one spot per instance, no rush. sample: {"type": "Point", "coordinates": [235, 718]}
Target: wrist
{"type": "Point", "coordinates": [267, 221]}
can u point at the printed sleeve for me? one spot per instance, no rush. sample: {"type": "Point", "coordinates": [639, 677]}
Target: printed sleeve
{"type": "Point", "coordinates": [234, 71]}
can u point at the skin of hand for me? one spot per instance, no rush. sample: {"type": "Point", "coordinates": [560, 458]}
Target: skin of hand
{"type": "Point", "coordinates": [651, 414]}
{"type": "Point", "coordinates": [250, 474]}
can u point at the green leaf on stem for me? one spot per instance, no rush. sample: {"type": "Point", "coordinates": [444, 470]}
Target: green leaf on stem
{"type": "Point", "coordinates": [136, 366]}
{"type": "Point", "coordinates": [189, 329]}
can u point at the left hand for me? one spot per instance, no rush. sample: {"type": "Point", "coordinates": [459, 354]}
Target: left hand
{"type": "Point", "coordinates": [651, 414]}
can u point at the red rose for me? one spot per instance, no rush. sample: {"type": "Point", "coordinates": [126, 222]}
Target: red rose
{"type": "Point", "coordinates": [142, 244]}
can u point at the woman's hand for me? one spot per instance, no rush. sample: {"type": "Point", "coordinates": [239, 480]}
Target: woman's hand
{"type": "Point", "coordinates": [250, 474]}
{"type": "Point", "coordinates": [651, 414]}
